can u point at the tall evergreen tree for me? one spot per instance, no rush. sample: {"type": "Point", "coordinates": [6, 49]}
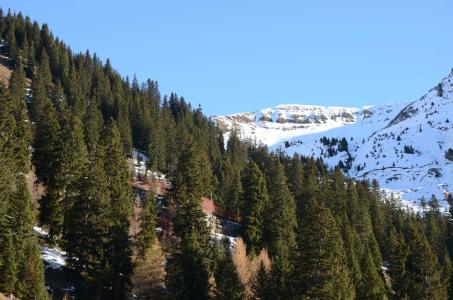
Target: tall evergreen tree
{"type": "Point", "coordinates": [322, 271]}
{"type": "Point", "coordinates": [22, 132]}
{"type": "Point", "coordinates": [192, 260]}
{"type": "Point", "coordinates": [423, 268]}
{"type": "Point", "coordinates": [281, 223]}
{"type": "Point", "coordinates": [262, 284]}
{"type": "Point", "coordinates": [397, 256]}
{"type": "Point", "coordinates": [148, 223]}
{"type": "Point", "coordinates": [255, 199]}
{"type": "Point", "coordinates": [228, 284]}
{"type": "Point", "coordinates": [63, 187]}
{"type": "Point", "coordinates": [46, 143]}
{"type": "Point", "coordinates": [119, 253]}
{"type": "Point", "coordinates": [372, 286]}
{"type": "Point", "coordinates": [86, 228]}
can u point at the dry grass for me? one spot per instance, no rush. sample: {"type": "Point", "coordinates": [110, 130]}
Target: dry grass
{"type": "Point", "coordinates": [37, 190]}
{"type": "Point", "coordinates": [248, 266]}
{"type": "Point", "coordinates": [149, 274]}
{"type": "Point", "coordinates": [5, 69]}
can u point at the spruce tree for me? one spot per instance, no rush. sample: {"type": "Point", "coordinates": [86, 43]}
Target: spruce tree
{"type": "Point", "coordinates": [63, 187]}
{"type": "Point", "coordinates": [228, 284]}
{"type": "Point", "coordinates": [119, 253]}
{"type": "Point", "coordinates": [31, 281]}
{"type": "Point", "coordinates": [281, 227]}
{"type": "Point", "coordinates": [255, 199]}
{"type": "Point", "coordinates": [46, 143]}
{"type": "Point", "coordinates": [262, 284]}
{"type": "Point", "coordinates": [8, 266]}
{"type": "Point", "coordinates": [86, 226]}
{"type": "Point", "coordinates": [397, 256]}
{"type": "Point", "coordinates": [39, 95]}
{"type": "Point", "coordinates": [22, 133]}
{"type": "Point", "coordinates": [350, 245]}
{"type": "Point", "coordinates": [148, 223]}
{"type": "Point", "coordinates": [423, 270]}
{"type": "Point", "coordinates": [372, 286]}
{"type": "Point", "coordinates": [192, 260]}
{"type": "Point", "coordinates": [322, 271]}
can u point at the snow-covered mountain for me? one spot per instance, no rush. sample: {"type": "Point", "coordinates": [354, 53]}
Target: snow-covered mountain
{"type": "Point", "coordinates": [405, 146]}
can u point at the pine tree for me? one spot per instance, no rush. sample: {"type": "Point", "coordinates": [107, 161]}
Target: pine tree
{"type": "Point", "coordinates": [46, 143]}
{"type": "Point", "coordinates": [232, 188]}
{"type": "Point", "coordinates": [30, 269]}
{"type": "Point", "coordinates": [174, 277]}
{"type": "Point", "coordinates": [228, 284]}
{"type": "Point", "coordinates": [372, 286]}
{"type": "Point", "coordinates": [148, 223]}
{"type": "Point", "coordinates": [296, 179]}
{"type": "Point", "coordinates": [119, 253]}
{"type": "Point", "coordinates": [282, 225]}
{"type": "Point", "coordinates": [423, 269]}
{"type": "Point", "coordinates": [255, 199]}
{"type": "Point", "coordinates": [193, 257]}
{"type": "Point", "coordinates": [262, 284]}
{"type": "Point", "coordinates": [31, 281]}
{"type": "Point", "coordinates": [63, 187]}
{"type": "Point", "coordinates": [322, 271]}
{"type": "Point", "coordinates": [86, 226]}
{"type": "Point", "coordinates": [93, 126]}
{"type": "Point", "coordinates": [44, 69]}
{"type": "Point", "coordinates": [39, 96]}
{"type": "Point", "coordinates": [397, 257]}
{"type": "Point", "coordinates": [22, 133]}
{"type": "Point", "coordinates": [8, 267]}
{"type": "Point", "coordinates": [350, 245]}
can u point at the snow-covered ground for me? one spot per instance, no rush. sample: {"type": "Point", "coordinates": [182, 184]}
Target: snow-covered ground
{"type": "Point", "coordinates": [54, 258]}
{"type": "Point", "coordinates": [402, 145]}
{"type": "Point", "coordinates": [139, 162]}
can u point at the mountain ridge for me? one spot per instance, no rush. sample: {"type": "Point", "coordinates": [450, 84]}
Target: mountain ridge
{"type": "Point", "coordinates": [403, 145]}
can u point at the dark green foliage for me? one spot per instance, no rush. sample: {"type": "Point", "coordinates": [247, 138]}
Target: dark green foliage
{"type": "Point", "coordinates": [187, 274]}
{"type": "Point", "coordinates": [227, 279]}
{"type": "Point", "coordinates": [119, 251]}
{"type": "Point", "coordinates": [423, 270]}
{"type": "Point", "coordinates": [21, 268]}
{"type": "Point", "coordinates": [322, 271]}
{"type": "Point", "coordinates": [148, 235]}
{"type": "Point", "coordinates": [70, 162]}
{"type": "Point", "coordinates": [397, 257]}
{"type": "Point", "coordinates": [372, 285]}
{"type": "Point", "coordinates": [191, 259]}
{"type": "Point", "coordinates": [328, 235]}
{"type": "Point", "coordinates": [46, 143]}
{"type": "Point", "coordinates": [281, 225]}
{"type": "Point", "coordinates": [262, 284]}
{"type": "Point", "coordinates": [8, 266]}
{"type": "Point", "coordinates": [255, 199]}
{"type": "Point", "coordinates": [87, 221]}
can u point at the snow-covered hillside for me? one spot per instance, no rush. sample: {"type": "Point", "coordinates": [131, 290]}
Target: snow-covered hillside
{"type": "Point", "coordinates": [405, 146]}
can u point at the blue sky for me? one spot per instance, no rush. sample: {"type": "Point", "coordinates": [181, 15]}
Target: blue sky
{"type": "Point", "coordinates": [243, 55]}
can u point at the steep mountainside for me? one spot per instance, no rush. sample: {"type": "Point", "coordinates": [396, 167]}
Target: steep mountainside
{"type": "Point", "coordinates": [405, 146]}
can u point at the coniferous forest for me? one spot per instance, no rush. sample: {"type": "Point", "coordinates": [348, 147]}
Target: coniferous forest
{"type": "Point", "coordinates": [69, 125]}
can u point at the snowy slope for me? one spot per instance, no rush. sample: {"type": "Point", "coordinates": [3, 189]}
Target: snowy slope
{"type": "Point", "coordinates": [402, 145]}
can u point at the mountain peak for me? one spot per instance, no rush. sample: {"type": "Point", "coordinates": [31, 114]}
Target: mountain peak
{"type": "Point", "coordinates": [402, 145]}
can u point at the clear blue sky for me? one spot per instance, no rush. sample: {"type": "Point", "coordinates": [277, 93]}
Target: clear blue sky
{"type": "Point", "coordinates": [242, 55]}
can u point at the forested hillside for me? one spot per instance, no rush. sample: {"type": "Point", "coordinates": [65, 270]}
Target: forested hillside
{"type": "Point", "coordinates": [69, 124]}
